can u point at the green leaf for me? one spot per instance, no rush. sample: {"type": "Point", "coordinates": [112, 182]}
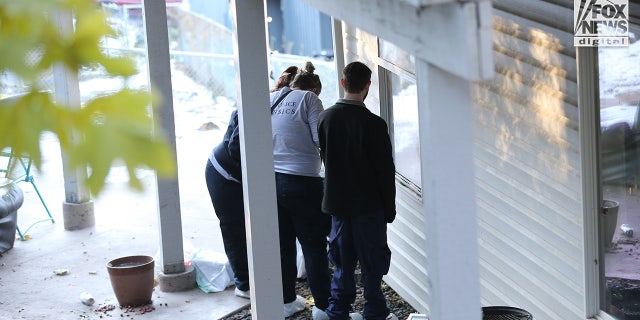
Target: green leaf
{"type": "Point", "coordinates": [114, 128]}
{"type": "Point", "coordinates": [120, 66]}
{"type": "Point", "coordinates": [124, 130]}
{"type": "Point", "coordinates": [23, 119]}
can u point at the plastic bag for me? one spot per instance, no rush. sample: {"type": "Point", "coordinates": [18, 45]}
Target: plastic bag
{"type": "Point", "coordinates": [188, 250]}
{"type": "Point", "coordinates": [213, 272]}
{"type": "Point", "coordinates": [302, 271]}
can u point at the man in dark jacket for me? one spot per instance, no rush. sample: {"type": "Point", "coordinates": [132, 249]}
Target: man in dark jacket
{"type": "Point", "coordinates": [359, 193]}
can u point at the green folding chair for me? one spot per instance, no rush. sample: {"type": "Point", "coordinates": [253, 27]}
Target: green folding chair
{"type": "Point", "coordinates": [18, 168]}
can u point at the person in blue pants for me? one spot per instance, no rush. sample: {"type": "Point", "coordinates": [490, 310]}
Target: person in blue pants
{"type": "Point", "coordinates": [359, 193]}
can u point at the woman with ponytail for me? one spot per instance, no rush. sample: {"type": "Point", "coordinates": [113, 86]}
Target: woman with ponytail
{"type": "Point", "coordinates": [299, 190]}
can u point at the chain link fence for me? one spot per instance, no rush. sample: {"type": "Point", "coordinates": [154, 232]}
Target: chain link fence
{"type": "Point", "coordinates": [201, 53]}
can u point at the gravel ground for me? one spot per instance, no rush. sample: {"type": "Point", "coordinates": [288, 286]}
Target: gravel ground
{"type": "Point", "coordinates": [397, 305]}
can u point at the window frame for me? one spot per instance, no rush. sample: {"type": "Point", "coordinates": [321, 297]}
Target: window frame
{"type": "Point", "coordinates": [386, 70]}
{"type": "Point", "coordinates": [589, 104]}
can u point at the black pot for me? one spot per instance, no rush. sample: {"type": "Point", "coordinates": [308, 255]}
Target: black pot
{"type": "Point", "coordinates": [11, 199]}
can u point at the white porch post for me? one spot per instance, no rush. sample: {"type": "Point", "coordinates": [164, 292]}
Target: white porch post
{"type": "Point", "coordinates": [338, 51]}
{"type": "Point", "coordinates": [175, 277]}
{"type": "Point", "coordinates": [258, 179]}
{"type": "Point", "coordinates": [446, 147]}
{"type": "Point", "coordinates": [77, 208]}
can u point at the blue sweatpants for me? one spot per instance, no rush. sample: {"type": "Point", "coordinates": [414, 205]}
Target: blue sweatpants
{"type": "Point", "coordinates": [356, 239]}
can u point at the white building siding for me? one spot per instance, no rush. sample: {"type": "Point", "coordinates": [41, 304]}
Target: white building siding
{"type": "Point", "coordinates": [528, 164]}
{"type": "Point", "coordinates": [527, 169]}
{"type": "Point", "coordinates": [408, 275]}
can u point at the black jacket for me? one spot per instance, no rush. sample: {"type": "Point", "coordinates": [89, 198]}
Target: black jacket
{"type": "Point", "coordinates": [227, 153]}
{"type": "Point", "coordinates": [359, 171]}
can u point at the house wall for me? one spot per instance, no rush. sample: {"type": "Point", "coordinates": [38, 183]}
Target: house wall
{"type": "Point", "coordinates": [527, 158]}
{"type": "Point", "coordinates": [306, 31]}
{"type": "Point", "coordinates": [528, 184]}
{"type": "Point", "coordinates": [276, 26]}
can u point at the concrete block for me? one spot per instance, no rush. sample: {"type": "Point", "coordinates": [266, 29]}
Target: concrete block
{"type": "Point", "coordinates": [175, 282]}
{"type": "Point", "coordinates": [78, 216]}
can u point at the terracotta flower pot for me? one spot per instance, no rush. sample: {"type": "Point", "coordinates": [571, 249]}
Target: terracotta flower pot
{"type": "Point", "coordinates": [132, 279]}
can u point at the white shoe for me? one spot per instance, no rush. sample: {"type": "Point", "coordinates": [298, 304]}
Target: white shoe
{"type": "Point", "coordinates": [355, 316]}
{"type": "Point", "coordinates": [391, 316]}
{"type": "Point", "coordinates": [294, 307]}
{"type": "Point", "coordinates": [318, 314]}
{"type": "Point", "coordinates": [243, 294]}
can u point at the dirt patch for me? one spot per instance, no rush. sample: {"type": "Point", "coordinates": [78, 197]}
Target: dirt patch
{"type": "Point", "coordinates": [623, 297]}
{"type": "Point", "coordinates": [398, 306]}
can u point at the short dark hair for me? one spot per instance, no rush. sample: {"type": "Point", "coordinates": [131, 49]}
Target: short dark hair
{"type": "Point", "coordinates": [356, 75]}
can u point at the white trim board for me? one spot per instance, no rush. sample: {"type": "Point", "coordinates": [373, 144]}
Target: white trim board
{"type": "Point", "coordinates": [455, 37]}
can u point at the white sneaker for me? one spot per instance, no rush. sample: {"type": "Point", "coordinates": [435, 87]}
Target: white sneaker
{"type": "Point", "coordinates": [318, 314]}
{"type": "Point", "coordinates": [294, 307]}
{"type": "Point", "coordinates": [243, 294]}
{"type": "Point", "coordinates": [391, 316]}
{"type": "Point", "coordinates": [355, 316]}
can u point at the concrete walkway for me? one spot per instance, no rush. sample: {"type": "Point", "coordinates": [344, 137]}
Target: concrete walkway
{"type": "Point", "coordinates": [126, 224]}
